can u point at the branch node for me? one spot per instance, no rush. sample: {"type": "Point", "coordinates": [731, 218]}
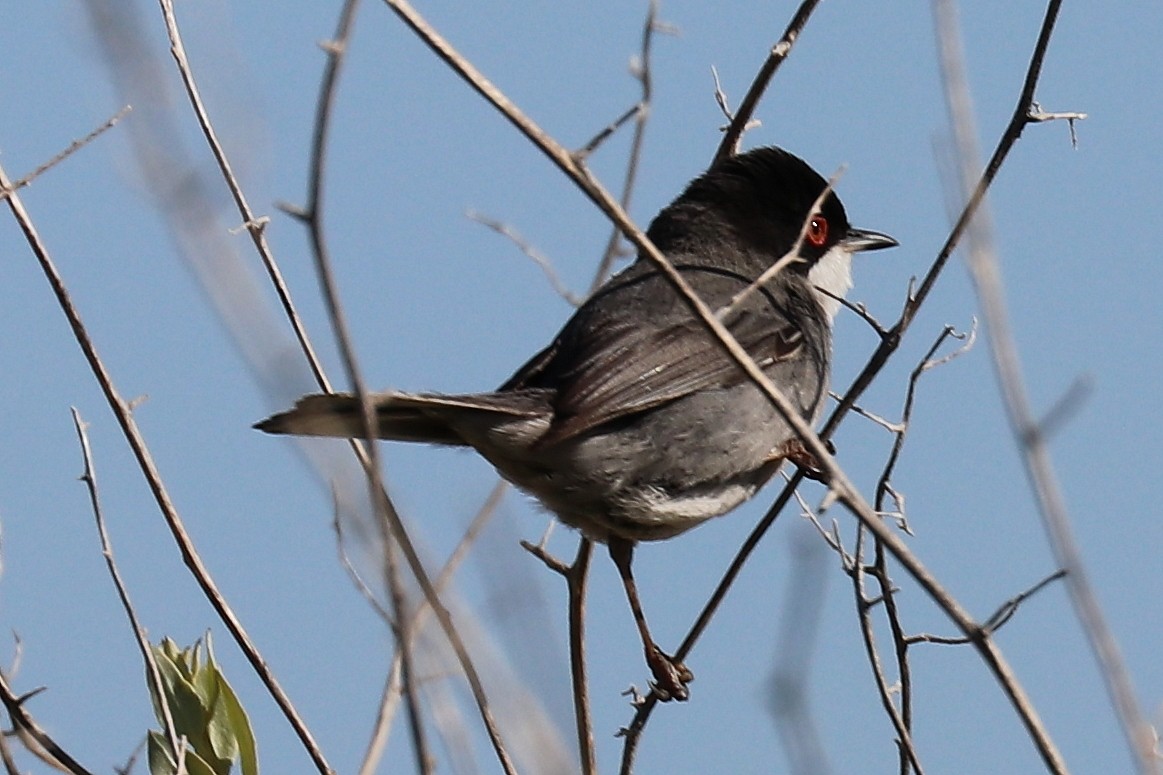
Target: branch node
{"type": "Point", "coordinates": [297, 212]}
{"type": "Point", "coordinates": [333, 47]}
{"type": "Point", "coordinates": [30, 694]}
{"type": "Point", "coordinates": [540, 552]}
{"type": "Point", "coordinates": [255, 226]}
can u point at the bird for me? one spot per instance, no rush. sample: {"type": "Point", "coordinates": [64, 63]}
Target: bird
{"type": "Point", "coordinates": [634, 424]}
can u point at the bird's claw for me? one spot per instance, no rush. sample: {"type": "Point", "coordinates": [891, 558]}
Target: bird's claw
{"type": "Point", "coordinates": [670, 676]}
{"type": "Point", "coordinates": [795, 451]}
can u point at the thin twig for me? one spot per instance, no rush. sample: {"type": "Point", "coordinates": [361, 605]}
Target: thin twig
{"type": "Point", "coordinates": [74, 146]}
{"type": "Point", "coordinates": [123, 412]}
{"type": "Point", "coordinates": [901, 718]}
{"type": "Point", "coordinates": [729, 146]}
{"type": "Point", "coordinates": [873, 417]}
{"type": "Point", "coordinates": [539, 551]}
{"type": "Point", "coordinates": [857, 307]}
{"type": "Point", "coordinates": [1006, 611]}
{"type": "Point", "coordinates": [24, 724]}
{"type": "Point", "coordinates": [724, 105]}
{"type": "Point", "coordinates": [830, 537]}
{"type": "Point", "coordinates": [357, 580]}
{"type": "Point", "coordinates": [607, 132]}
{"type": "Point", "coordinates": [575, 575]}
{"type": "Point", "coordinates": [535, 255]}
{"type": "Point", "coordinates": [1037, 114]}
{"type": "Point", "coordinates": [927, 362]}
{"type": "Point", "coordinates": [641, 113]}
{"type": "Point", "coordinates": [998, 618]}
{"type": "Point", "coordinates": [256, 226]}
{"type": "Point", "coordinates": [153, 673]}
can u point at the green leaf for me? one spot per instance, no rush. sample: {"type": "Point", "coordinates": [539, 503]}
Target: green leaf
{"type": "Point", "coordinates": [195, 765]}
{"type": "Point", "coordinates": [186, 707]}
{"type": "Point", "coordinates": [205, 711]}
{"type": "Point", "coordinates": [158, 750]}
{"type": "Point", "coordinates": [243, 733]}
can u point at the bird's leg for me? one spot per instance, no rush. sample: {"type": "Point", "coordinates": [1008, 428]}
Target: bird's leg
{"type": "Point", "coordinates": [670, 675]}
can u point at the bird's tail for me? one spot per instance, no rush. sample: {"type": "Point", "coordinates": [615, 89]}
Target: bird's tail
{"type": "Point", "coordinates": [420, 417]}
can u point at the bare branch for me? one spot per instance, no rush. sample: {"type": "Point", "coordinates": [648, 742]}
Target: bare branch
{"type": "Point", "coordinates": [25, 725]}
{"type": "Point", "coordinates": [132, 433]}
{"type": "Point", "coordinates": [725, 107]}
{"type": "Point", "coordinates": [74, 146]}
{"type": "Point", "coordinates": [901, 718]}
{"type": "Point", "coordinates": [857, 307]}
{"type": "Point", "coordinates": [998, 618]}
{"type": "Point", "coordinates": [393, 684]}
{"type": "Point", "coordinates": [883, 486]}
{"type": "Point", "coordinates": [729, 146]}
{"type": "Point", "coordinates": [153, 673]}
{"type": "Point", "coordinates": [255, 225]}
{"type": "Point", "coordinates": [641, 113]}
{"type": "Point", "coordinates": [539, 258]}
{"type": "Point", "coordinates": [1036, 114]}
{"type": "Point", "coordinates": [576, 579]}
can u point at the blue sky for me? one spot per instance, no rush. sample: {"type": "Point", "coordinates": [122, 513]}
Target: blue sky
{"type": "Point", "coordinates": [438, 302]}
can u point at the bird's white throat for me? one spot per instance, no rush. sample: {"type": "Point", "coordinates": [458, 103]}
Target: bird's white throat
{"type": "Point", "coordinates": [832, 273]}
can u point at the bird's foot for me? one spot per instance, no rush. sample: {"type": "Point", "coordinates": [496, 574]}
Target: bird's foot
{"type": "Point", "coordinates": [670, 676]}
{"type": "Point", "coordinates": [795, 451]}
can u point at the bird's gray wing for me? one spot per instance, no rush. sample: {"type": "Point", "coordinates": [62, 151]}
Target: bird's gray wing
{"type": "Point", "coordinates": [621, 369]}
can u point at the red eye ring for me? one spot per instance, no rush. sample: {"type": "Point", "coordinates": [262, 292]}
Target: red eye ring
{"type": "Point", "coordinates": [817, 231]}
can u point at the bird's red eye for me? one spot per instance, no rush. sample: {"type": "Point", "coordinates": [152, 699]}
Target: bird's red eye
{"type": "Point", "coordinates": [817, 233]}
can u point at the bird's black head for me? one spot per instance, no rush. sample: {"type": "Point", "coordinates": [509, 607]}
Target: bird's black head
{"type": "Point", "coordinates": [757, 203]}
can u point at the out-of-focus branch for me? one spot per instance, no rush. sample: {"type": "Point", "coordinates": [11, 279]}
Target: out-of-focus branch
{"type": "Point", "coordinates": [255, 226]}
{"type": "Point", "coordinates": [797, 638]}
{"type": "Point", "coordinates": [393, 534]}
{"type": "Point", "coordinates": [1029, 435]}
{"type": "Point", "coordinates": [393, 685]}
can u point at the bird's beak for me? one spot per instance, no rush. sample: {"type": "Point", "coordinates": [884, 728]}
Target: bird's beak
{"type": "Point", "coordinates": [863, 239]}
